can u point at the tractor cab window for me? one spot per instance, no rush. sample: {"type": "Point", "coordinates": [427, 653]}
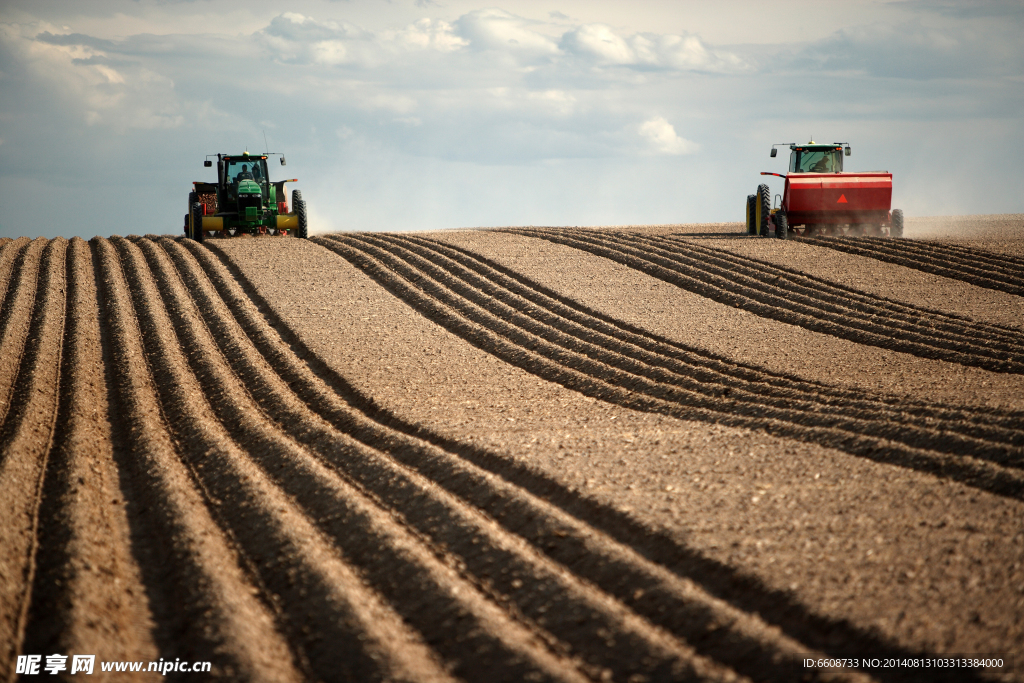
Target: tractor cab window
{"type": "Point", "coordinates": [247, 169]}
{"type": "Point", "coordinates": [816, 161]}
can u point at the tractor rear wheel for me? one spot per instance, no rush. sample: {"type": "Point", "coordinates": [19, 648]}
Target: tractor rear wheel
{"type": "Point", "coordinates": [197, 223]}
{"type": "Point", "coordinates": [299, 207]}
{"type": "Point", "coordinates": [751, 225]}
{"type": "Point", "coordinates": [897, 223]}
{"type": "Point", "coordinates": [781, 224]}
{"type": "Point", "coordinates": [763, 203]}
{"type": "Point", "coordinates": [192, 199]}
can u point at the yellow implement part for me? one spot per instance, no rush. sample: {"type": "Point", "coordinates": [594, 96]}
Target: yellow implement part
{"type": "Point", "coordinates": [287, 221]}
{"type": "Point", "coordinates": [213, 223]}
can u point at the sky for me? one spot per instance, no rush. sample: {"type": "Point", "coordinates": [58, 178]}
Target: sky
{"type": "Point", "coordinates": [429, 114]}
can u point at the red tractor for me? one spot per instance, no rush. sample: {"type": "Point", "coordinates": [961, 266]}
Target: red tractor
{"type": "Point", "coordinates": [820, 199]}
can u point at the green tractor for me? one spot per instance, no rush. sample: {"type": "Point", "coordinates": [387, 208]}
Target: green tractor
{"type": "Point", "coordinates": [244, 201]}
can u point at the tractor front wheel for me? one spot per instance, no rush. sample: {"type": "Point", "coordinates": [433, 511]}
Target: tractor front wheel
{"type": "Point", "coordinates": [763, 204]}
{"type": "Point", "coordinates": [299, 207]}
{"type": "Point", "coordinates": [781, 224]}
{"type": "Point", "coordinates": [751, 225]}
{"type": "Point", "coordinates": [897, 223]}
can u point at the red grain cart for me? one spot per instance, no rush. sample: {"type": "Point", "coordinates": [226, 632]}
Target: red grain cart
{"type": "Point", "coordinates": [819, 198]}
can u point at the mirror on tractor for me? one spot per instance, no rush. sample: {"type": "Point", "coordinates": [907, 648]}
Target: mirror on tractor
{"type": "Point", "coordinates": [207, 163]}
{"type": "Point", "coordinates": [846, 150]}
{"type": "Point", "coordinates": [283, 162]}
{"type": "Point", "coordinates": [774, 151]}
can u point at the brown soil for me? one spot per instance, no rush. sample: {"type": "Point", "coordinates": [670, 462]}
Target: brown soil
{"type": "Point", "coordinates": [645, 453]}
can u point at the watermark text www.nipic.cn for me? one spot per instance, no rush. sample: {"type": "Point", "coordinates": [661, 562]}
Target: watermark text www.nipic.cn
{"type": "Point", "coordinates": [29, 665]}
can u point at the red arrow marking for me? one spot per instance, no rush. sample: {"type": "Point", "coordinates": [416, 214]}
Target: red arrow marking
{"type": "Point", "coordinates": [842, 199]}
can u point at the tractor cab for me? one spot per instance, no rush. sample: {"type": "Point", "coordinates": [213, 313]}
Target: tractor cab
{"type": "Point", "coordinates": [813, 158]}
{"type": "Point", "coordinates": [241, 168]}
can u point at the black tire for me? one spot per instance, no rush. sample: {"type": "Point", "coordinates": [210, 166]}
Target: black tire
{"type": "Point", "coordinates": [751, 226]}
{"type": "Point", "coordinates": [192, 199]}
{"type": "Point", "coordinates": [197, 223]}
{"type": "Point", "coordinates": [763, 204]}
{"type": "Point", "coordinates": [299, 207]}
{"type": "Point", "coordinates": [897, 223]}
{"type": "Point", "coordinates": [781, 224]}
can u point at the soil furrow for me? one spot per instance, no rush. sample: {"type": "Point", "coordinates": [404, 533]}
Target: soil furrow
{"type": "Point", "coordinates": [337, 622]}
{"type": "Point", "coordinates": [959, 252]}
{"type": "Point", "coordinates": [15, 319]}
{"type": "Point", "coordinates": [26, 435]}
{"type": "Point", "coordinates": [501, 564]}
{"type": "Point", "coordinates": [420, 588]}
{"type": "Point", "coordinates": [852, 301]}
{"type": "Point", "coordinates": [723, 632]}
{"type": "Point", "coordinates": [951, 267]}
{"type": "Point", "coordinates": [860, 310]}
{"type": "Point", "coordinates": [581, 552]}
{"type": "Point", "coordinates": [631, 356]}
{"type": "Point", "coordinates": [709, 367]}
{"type": "Point", "coordinates": [810, 294]}
{"type": "Point", "coordinates": [725, 292]}
{"type": "Point", "coordinates": [84, 540]}
{"type": "Point", "coordinates": [956, 256]}
{"type": "Point", "coordinates": [9, 254]}
{"type": "Point", "coordinates": [611, 575]}
{"type": "Point", "coordinates": [593, 361]}
{"type": "Point", "coordinates": [971, 471]}
{"type": "Point", "coordinates": [203, 605]}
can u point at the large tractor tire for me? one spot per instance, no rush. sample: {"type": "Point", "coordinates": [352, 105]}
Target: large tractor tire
{"type": "Point", "coordinates": [781, 224]}
{"type": "Point", "coordinates": [194, 227]}
{"type": "Point", "coordinates": [751, 225]}
{"type": "Point", "coordinates": [299, 207]}
{"type": "Point", "coordinates": [763, 204]}
{"type": "Point", "coordinates": [897, 223]}
{"type": "Point", "coordinates": [197, 223]}
{"type": "Point", "coordinates": [192, 199]}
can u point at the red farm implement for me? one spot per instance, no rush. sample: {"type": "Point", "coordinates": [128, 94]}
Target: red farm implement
{"type": "Point", "coordinates": [820, 198]}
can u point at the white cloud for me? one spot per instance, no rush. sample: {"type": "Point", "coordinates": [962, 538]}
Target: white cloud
{"type": "Point", "coordinates": [662, 138]}
{"type": "Point", "coordinates": [430, 34]}
{"type": "Point", "coordinates": [601, 46]}
{"type": "Point", "coordinates": [93, 82]}
{"type": "Point", "coordinates": [495, 29]}
{"type": "Point", "coordinates": [297, 39]}
{"type": "Point", "coordinates": [599, 43]}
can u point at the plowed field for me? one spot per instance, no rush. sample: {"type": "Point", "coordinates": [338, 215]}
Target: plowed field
{"type": "Point", "coordinates": [656, 453]}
